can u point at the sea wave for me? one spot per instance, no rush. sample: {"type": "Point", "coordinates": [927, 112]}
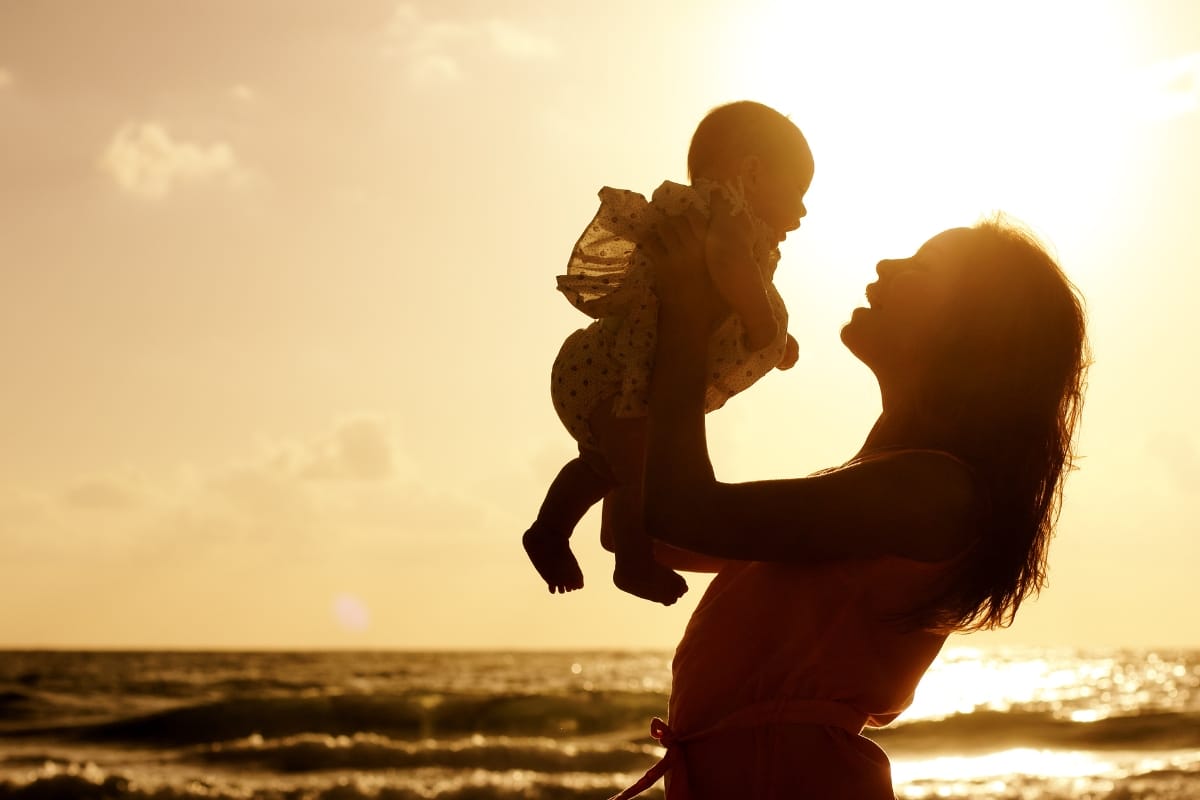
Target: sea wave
{"type": "Point", "coordinates": [17, 704]}
{"type": "Point", "coordinates": [998, 730]}
{"type": "Point", "coordinates": [88, 782]}
{"type": "Point", "coordinates": [446, 717]}
{"type": "Point", "coordinates": [960, 735]}
{"type": "Point", "coordinates": [412, 716]}
{"type": "Point", "coordinates": [313, 752]}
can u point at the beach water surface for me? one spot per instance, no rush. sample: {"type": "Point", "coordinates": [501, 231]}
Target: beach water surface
{"type": "Point", "coordinates": [1027, 724]}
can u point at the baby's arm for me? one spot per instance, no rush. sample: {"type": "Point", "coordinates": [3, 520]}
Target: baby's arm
{"type": "Point", "coordinates": [729, 251]}
{"type": "Point", "coordinates": [791, 353]}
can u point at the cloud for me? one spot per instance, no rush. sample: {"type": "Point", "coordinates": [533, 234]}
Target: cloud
{"type": "Point", "coordinates": [102, 493]}
{"type": "Point", "coordinates": [145, 160]}
{"type": "Point", "coordinates": [358, 449]}
{"type": "Point", "coordinates": [345, 489]}
{"type": "Point", "coordinates": [515, 42]}
{"type": "Point", "coordinates": [6, 78]}
{"type": "Point", "coordinates": [434, 50]}
{"type": "Point", "coordinates": [294, 490]}
{"type": "Point", "coordinates": [255, 492]}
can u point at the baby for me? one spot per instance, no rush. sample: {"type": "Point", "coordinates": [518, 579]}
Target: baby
{"type": "Point", "coordinates": [750, 167]}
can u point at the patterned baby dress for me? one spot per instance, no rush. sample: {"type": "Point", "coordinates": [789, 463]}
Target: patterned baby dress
{"type": "Point", "coordinates": [611, 281]}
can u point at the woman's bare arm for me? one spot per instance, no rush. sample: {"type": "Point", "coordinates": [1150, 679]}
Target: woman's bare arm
{"type": "Point", "coordinates": [915, 504]}
{"type": "Point", "coordinates": [909, 503]}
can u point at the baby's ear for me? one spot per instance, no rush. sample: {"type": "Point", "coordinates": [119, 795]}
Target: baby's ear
{"type": "Point", "coordinates": [751, 166]}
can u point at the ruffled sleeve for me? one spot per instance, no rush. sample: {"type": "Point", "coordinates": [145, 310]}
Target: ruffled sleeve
{"type": "Point", "coordinates": [595, 281]}
{"type": "Point", "coordinates": [607, 278]}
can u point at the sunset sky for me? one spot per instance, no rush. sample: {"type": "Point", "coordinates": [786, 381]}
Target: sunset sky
{"type": "Point", "coordinates": [277, 304]}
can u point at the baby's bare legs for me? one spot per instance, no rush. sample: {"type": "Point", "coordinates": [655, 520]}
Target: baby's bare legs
{"type": "Point", "coordinates": [578, 486]}
{"type": "Point", "coordinates": [623, 441]}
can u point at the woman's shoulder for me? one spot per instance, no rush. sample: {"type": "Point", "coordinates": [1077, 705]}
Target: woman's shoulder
{"type": "Point", "coordinates": [927, 461]}
{"type": "Point", "coordinates": [935, 491]}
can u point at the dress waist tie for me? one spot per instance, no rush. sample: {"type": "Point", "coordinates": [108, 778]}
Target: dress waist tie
{"type": "Point", "coordinates": [791, 712]}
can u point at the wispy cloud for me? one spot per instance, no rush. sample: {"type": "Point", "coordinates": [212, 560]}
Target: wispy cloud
{"type": "Point", "coordinates": [145, 160]}
{"type": "Point", "coordinates": [359, 448]}
{"type": "Point", "coordinates": [103, 493]}
{"type": "Point", "coordinates": [516, 42]}
{"type": "Point", "coordinates": [349, 486]}
{"type": "Point", "coordinates": [435, 49]}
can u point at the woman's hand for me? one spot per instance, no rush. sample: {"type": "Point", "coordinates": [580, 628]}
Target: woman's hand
{"type": "Point", "coordinates": [681, 279]}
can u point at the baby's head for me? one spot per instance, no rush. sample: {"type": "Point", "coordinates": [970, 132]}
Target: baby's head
{"type": "Point", "coordinates": [765, 150]}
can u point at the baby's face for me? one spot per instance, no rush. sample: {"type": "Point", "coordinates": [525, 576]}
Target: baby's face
{"type": "Point", "coordinates": [777, 196]}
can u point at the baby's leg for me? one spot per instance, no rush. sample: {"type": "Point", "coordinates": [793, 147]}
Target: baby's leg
{"type": "Point", "coordinates": [578, 486]}
{"type": "Point", "coordinates": [623, 441]}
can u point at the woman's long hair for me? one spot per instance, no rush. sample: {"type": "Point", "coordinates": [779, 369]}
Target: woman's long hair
{"type": "Point", "coordinates": [1005, 391]}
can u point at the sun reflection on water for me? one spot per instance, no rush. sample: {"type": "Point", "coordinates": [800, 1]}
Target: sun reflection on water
{"type": "Point", "coordinates": [963, 680]}
{"type": "Point", "coordinates": [1017, 761]}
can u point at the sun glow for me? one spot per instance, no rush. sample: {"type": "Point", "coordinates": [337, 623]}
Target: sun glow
{"type": "Point", "coordinates": [918, 127]}
{"type": "Point", "coordinates": [953, 684]}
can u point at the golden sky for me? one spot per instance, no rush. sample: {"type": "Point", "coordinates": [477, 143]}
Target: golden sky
{"type": "Point", "coordinates": [277, 302]}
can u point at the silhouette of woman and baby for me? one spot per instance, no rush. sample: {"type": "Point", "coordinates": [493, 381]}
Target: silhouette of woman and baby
{"type": "Point", "coordinates": [833, 592]}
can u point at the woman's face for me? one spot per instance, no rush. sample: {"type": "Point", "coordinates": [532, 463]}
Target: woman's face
{"type": "Point", "coordinates": [907, 307]}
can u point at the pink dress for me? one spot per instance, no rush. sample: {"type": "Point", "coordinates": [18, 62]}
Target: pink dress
{"type": "Point", "coordinates": [609, 280]}
{"type": "Point", "coordinates": [779, 670]}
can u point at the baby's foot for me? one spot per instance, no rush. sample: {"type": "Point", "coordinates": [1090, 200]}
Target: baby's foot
{"type": "Point", "coordinates": [649, 580]}
{"type": "Point", "coordinates": [552, 557]}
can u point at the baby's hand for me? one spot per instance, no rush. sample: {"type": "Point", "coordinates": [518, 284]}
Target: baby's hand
{"type": "Point", "coordinates": [730, 239]}
{"type": "Point", "coordinates": [791, 353]}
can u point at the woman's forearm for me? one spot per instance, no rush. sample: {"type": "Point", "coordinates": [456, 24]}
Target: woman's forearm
{"type": "Point", "coordinates": [678, 469]}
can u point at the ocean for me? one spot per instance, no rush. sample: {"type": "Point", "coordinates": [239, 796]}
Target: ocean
{"type": "Point", "coordinates": [1007, 724]}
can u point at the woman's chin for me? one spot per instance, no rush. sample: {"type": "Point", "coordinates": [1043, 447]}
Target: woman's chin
{"type": "Point", "coordinates": [847, 335]}
{"type": "Point", "coordinates": [856, 319]}
{"type": "Point", "coordinates": [852, 332]}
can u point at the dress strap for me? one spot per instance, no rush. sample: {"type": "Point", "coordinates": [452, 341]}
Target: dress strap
{"type": "Point", "coordinates": [789, 712]}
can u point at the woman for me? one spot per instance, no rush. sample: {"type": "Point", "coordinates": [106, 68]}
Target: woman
{"type": "Point", "coordinates": [839, 589]}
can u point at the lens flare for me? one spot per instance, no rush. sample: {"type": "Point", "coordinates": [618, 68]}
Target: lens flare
{"type": "Point", "coordinates": [351, 612]}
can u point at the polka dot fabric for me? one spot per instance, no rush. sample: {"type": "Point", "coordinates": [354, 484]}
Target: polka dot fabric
{"type": "Point", "coordinates": [608, 279]}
